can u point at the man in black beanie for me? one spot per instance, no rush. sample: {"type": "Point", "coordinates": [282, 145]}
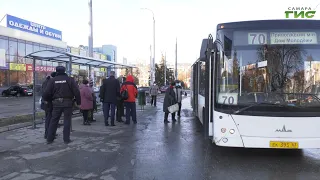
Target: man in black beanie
{"type": "Point", "coordinates": [61, 90]}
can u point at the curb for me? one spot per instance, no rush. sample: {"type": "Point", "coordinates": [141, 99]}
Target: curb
{"type": "Point", "coordinates": [28, 118]}
{"type": "Point", "coordinates": [7, 121]}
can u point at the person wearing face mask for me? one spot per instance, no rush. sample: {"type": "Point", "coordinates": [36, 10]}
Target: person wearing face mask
{"type": "Point", "coordinates": [153, 91]}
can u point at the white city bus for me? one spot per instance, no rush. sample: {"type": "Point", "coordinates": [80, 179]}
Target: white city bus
{"type": "Point", "coordinates": [256, 85]}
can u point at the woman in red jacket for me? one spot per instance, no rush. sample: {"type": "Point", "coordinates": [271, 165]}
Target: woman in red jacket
{"type": "Point", "coordinates": [130, 103]}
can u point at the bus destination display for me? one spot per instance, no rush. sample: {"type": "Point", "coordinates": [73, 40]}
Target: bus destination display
{"type": "Point", "coordinates": [260, 38]}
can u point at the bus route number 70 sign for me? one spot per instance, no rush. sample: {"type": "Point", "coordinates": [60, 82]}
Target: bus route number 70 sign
{"type": "Point", "coordinates": [257, 38]}
{"type": "Point", "coordinates": [228, 98]}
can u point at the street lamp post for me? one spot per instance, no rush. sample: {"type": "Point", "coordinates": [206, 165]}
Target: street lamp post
{"type": "Point", "coordinates": [152, 67]}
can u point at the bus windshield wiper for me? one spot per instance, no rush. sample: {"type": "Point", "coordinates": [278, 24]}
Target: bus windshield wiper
{"type": "Point", "coordinates": [256, 104]}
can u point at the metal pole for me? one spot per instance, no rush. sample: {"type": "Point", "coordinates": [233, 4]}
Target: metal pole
{"type": "Point", "coordinates": [176, 63]}
{"type": "Point", "coordinates": [165, 69]}
{"type": "Point", "coordinates": [150, 66]}
{"type": "Point", "coordinates": [34, 93]}
{"type": "Point", "coordinates": [90, 38]}
{"type": "Point", "coordinates": [69, 73]}
{"type": "Point", "coordinates": [154, 48]}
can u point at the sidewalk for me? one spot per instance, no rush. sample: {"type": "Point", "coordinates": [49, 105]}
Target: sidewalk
{"type": "Point", "coordinates": [99, 152]}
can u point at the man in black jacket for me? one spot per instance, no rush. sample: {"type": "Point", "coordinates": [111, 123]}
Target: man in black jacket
{"type": "Point", "coordinates": [61, 90]}
{"type": "Point", "coordinates": [47, 105]}
{"type": "Point", "coordinates": [109, 94]}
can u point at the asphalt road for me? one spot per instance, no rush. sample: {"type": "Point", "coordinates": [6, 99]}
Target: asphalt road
{"type": "Point", "coordinates": [13, 106]}
{"type": "Point", "coordinates": [149, 150]}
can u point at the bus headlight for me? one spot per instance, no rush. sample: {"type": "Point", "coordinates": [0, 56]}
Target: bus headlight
{"type": "Point", "coordinates": [232, 131]}
{"type": "Point", "coordinates": [223, 130]}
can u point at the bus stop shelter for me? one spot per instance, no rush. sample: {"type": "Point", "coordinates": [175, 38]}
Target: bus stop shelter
{"type": "Point", "coordinates": [69, 59]}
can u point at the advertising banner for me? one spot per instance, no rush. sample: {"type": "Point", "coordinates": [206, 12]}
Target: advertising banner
{"type": "Point", "coordinates": [103, 57]}
{"type": "Point", "coordinates": [74, 51]}
{"type": "Point", "coordinates": [17, 67]}
{"type": "Point", "coordinates": [45, 68]}
{"type": "Point", "coordinates": [74, 66]}
{"type": "Point", "coordinates": [31, 27]}
{"type": "Point", "coordinates": [29, 67]}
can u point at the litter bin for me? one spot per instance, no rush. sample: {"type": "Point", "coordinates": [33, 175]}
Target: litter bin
{"type": "Point", "coordinates": [142, 98]}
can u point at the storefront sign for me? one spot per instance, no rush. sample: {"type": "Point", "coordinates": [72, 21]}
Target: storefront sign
{"type": "Point", "coordinates": [17, 67]}
{"type": "Point", "coordinates": [103, 57]}
{"type": "Point", "coordinates": [74, 51]}
{"type": "Point", "coordinates": [41, 68]}
{"type": "Point", "coordinates": [45, 68]}
{"type": "Point", "coordinates": [75, 66]}
{"type": "Point", "coordinates": [31, 27]}
{"type": "Point", "coordinates": [2, 57]}
{"type": "Point", "coordinates": [29, 67]}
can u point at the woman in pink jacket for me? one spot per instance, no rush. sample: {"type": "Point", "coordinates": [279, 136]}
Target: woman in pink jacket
{"type": "Point", "coordinates": [86, 101]}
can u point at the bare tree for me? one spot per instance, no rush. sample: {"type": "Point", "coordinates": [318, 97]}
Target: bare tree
{"type": "Point", "coordinates": [283, 62]}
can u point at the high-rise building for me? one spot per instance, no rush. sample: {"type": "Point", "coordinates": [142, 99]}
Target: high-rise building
{"type": "Point", "coordinates": [109, 50]}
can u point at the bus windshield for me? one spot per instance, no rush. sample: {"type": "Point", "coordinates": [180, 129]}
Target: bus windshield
{"type": "Point", "coordinates": [276, 67]}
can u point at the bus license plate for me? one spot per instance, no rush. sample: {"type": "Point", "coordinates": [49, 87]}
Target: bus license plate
{"type": "Point", "coordinates": [284, 145]}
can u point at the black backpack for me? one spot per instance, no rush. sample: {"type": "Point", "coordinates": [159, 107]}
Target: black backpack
{"type": "Point", "coordinates": [124, 94]}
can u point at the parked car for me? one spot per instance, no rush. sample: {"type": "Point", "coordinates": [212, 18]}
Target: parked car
{"type": "Point", "coordinates": [17, 91]}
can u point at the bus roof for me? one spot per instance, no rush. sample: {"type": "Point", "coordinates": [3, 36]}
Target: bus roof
{"type": "Point", "coordinates": [266, 24]}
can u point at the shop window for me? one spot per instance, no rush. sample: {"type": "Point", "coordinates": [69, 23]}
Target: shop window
{"type": "Point", "coordinates": [49, 63]}
{"type": "Point", "coordinates": [21, 60]}
{"type": "Point", "coordinates": [29, 61]}
{"type": "Point", "coordinates": [55, 64]}
{"type": "Point", "coordinates": [4, 78]}
{"type": "Point", "coordinates": [4, 44]}
{"type": "Point", "coordinates": [22, 77]}
{"type": "Point", "coordinates": [43, 47]}
{"type": "Point", "coordinates": [13, 59]}
{"type": "Point", "coordinates": [29, 48]}
{"type": "Point", "coordinates": [49, 48]}
{"type": "Point", "coordinates": [36, 47]}
{"type": "Point", "coordinates": [21, 48]}
{"type": "Point", "coordinates": [13, 47]}
{"type": "Point", "coordinates": [44, 63]}
{"type": "Point", "coordinates": [14, 78]}
{"type": "Point", "coordinates": [38, 62]}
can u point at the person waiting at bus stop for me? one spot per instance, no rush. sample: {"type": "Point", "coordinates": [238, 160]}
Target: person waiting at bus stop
{"type": "Point", "coordinates": [169, 100]}
{"type": "Point", "coordinates": [86, 101]}
{"type": "Point", "coordinates": [120, 105]}
{"type": "Point", "coordinates": [178, 94]}
{"type": "Point", "coordinates": [154, 89]}
{"type": "Point", "coordinates": [130, 102]}
{"type": "Point", "coordinates": [61, 90]}
{"type": "Point", "coordinates": [47, 105]}
{"type": "Point", "coordinates": [109, 91]}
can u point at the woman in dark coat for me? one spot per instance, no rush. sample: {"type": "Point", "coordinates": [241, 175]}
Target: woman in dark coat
{"type": "Point", "coordinates": [169, 100]}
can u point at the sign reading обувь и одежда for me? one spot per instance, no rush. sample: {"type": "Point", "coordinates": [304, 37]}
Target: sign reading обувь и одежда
{"type": "Point", "coordinates": [300, 12]}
